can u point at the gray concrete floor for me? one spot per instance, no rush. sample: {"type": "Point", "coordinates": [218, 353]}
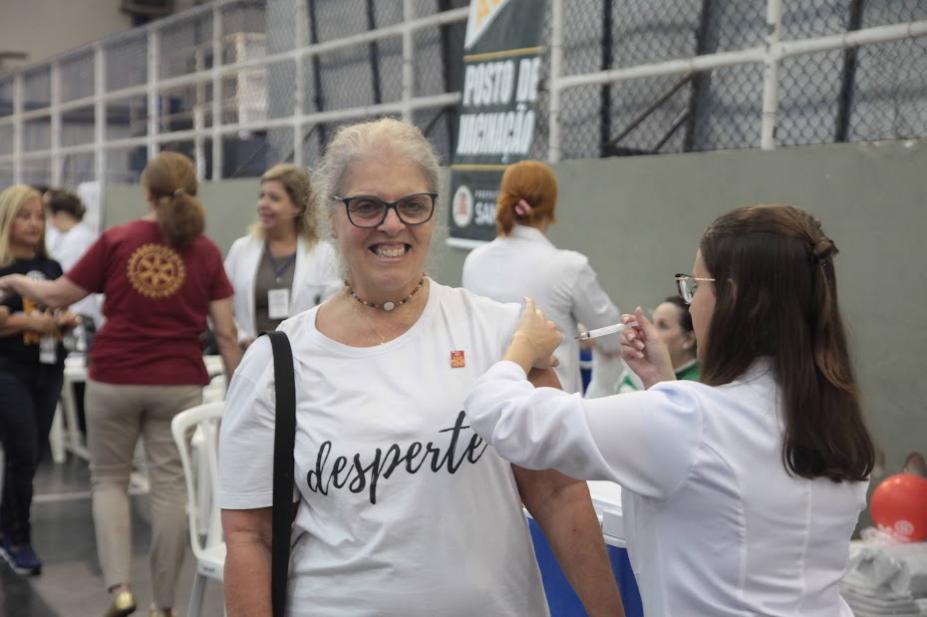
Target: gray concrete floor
{"type": "Point", "coordinates": [71, 584]}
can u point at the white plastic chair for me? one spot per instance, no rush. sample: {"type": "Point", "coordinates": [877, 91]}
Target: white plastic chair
{"type": "Point", "coordinates": [209, 551]}
{"type": "Point", "coordinates": [215, 391]}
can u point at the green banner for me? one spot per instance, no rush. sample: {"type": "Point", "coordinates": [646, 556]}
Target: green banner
{"type": "Point", "coordinates": [498, 108]}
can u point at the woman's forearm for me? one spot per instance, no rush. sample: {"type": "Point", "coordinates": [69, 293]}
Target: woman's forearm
{"type": "Point", "coordinates": [247, 578]}
{"type": "Point", "coordinates": [563, 510]}
{"type": "Point", "coordinates": [58, 293]}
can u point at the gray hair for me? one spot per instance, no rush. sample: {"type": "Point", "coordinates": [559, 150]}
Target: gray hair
{"type": "Point", "coordinates": [385, 136]}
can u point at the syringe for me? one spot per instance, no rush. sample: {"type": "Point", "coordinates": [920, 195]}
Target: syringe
{"type": "Point", "coordinates": [589, 334]}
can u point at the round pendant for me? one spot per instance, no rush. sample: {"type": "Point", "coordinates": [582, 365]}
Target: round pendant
{"type": "Point", "coordinates": [388, 306]}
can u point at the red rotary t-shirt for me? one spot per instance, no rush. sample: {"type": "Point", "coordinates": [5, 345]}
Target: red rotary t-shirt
{"type": "Point", "coordinates": [157, 301]}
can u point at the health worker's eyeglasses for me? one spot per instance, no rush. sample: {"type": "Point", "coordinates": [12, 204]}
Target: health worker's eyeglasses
{"type": "Point", "coordinates": [687, 285]}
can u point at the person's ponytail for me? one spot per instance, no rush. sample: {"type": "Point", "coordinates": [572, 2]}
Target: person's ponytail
{"type": "Point", "coordinates": [171, 179]}
{"type": "Point", "coordinates": [505, 213]}
{"type": "Point", "coordinates": [181, 218]}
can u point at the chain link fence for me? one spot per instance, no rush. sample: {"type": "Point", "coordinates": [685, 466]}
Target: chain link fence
{"type": "Point", "coordinates": [872, 92]}
{"type": "Point", "coordinates": [868, 93]}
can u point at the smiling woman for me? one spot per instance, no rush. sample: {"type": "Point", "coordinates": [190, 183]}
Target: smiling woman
{"type": "Point", "coordinates": [400, 501]}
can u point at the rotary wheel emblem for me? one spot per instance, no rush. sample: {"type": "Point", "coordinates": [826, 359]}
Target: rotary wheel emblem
{"type": "Point", "coordinates": [156, 271]}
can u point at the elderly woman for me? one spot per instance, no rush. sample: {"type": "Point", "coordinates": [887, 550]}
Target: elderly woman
{"type": "Point", "coordinates": [402, 509]}
{"type": "Point", "coordinates": [281, 267]}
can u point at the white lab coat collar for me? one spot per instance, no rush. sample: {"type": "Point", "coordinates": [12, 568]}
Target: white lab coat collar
{"type": "Point", "coordinates": [533, 234]}
{"type": "Point", "coordinates": [757, 369]}
{"type": "Point", "coordinates": [243, 271]}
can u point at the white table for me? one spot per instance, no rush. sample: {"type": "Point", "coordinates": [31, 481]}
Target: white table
{"type": "Point", "coordinates": [606, 499]}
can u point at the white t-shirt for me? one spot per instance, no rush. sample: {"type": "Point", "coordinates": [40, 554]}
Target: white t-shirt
{"type": "Point", "coordinates": [403, 509]}
{"type": "Point", "coordinates": [564, 285]}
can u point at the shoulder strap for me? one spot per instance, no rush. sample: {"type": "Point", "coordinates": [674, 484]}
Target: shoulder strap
{"type": "Point", "coordinates": [284, 439]}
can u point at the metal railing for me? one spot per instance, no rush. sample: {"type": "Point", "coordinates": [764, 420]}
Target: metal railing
{"type": "Point", "coordinates": [214, 77]}
{"type": "Point", "coordinates": [225, 65]}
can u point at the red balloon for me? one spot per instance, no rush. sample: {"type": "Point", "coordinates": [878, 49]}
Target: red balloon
{"type": "Point", "coordinates": [899, 507]}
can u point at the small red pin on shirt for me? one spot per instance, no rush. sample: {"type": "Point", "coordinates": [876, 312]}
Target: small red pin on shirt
{"type": "Point", "coordinates": [457, 359]}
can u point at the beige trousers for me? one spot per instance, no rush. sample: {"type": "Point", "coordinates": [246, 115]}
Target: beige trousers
{"type": "Point", "coordinates": [116, 416]}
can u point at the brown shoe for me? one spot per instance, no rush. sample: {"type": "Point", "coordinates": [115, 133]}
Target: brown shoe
{"type": "Point", "coordinates": [123, 604]}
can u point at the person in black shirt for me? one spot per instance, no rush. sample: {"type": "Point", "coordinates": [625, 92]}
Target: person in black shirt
{"type": "Point", "coordinates": [31, 369]}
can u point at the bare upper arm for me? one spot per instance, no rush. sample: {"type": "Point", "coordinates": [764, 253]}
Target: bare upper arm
{"type": "Point", "coordinates": [544, 488]}
{"type": "Point", "coordinates": [544, 378]}
{"type": "Point", "coordinates": [254, 525]}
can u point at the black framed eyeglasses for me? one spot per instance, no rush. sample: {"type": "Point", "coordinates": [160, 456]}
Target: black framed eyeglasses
{"type": "Point", "coordinates": [687, 285]}
{"type": "Point", "coordinates": [370, 211]}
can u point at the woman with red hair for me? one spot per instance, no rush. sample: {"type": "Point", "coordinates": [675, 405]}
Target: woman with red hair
{"type": "Point", "coordinates": [521, 262]}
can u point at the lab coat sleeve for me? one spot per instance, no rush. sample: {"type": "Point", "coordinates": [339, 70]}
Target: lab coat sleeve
{"type": "Point", "coordinates": [645, 441]}
{"type": "Point", "coordinates": [593, 308]}
{"type": "Point", "coordinates": [232, 264]}
{"type": "Point", "coordinates": [607, 372]}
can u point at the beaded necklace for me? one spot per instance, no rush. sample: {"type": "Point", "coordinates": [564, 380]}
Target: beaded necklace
{"type": "Point", "coordinates": [386, 306]}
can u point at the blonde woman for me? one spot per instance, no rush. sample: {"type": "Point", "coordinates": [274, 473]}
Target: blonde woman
{"type": "Point", "coordinates": [282, 267]}
{"type": "Point", "coordinates": [31, 367]}
{"type": "Point", "coordinates": [162, 278]}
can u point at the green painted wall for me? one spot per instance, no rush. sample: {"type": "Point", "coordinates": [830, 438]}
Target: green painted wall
{"type": "Point", "coordinates": [639, 220]}
{"type": "Point", "coordinates": [230, 207]}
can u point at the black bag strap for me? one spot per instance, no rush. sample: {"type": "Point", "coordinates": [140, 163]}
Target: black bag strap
{"type": "Point", "coordinates": [284, 440]}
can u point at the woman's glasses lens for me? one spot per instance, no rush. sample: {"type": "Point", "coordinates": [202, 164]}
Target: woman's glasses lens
{"type": "Point", "coordinates": [685, 285]}
{"type": "Point", "coordinates": [416, 208]}
{"type": "Point", "coordinates": [365, 211]}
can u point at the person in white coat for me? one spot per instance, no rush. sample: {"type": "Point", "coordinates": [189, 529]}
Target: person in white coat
{"type": "Point", "coordinates": [521, 262]}
{"type": "Point", "coordinates": [740, 492]}
{"type": "Point", "coordinates": [67, 239]}
{"type": "Point", "coordinates": [281, 267]}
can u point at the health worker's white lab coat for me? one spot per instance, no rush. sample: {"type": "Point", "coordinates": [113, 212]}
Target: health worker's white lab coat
{"type": "Point", "coordinates": [714, 523]}
{"type": "Point", "coordinates": [315, 278]}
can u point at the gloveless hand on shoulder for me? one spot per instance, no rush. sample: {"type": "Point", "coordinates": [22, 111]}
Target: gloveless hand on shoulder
{"type": "Point", "coordinates": [534, 340]}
